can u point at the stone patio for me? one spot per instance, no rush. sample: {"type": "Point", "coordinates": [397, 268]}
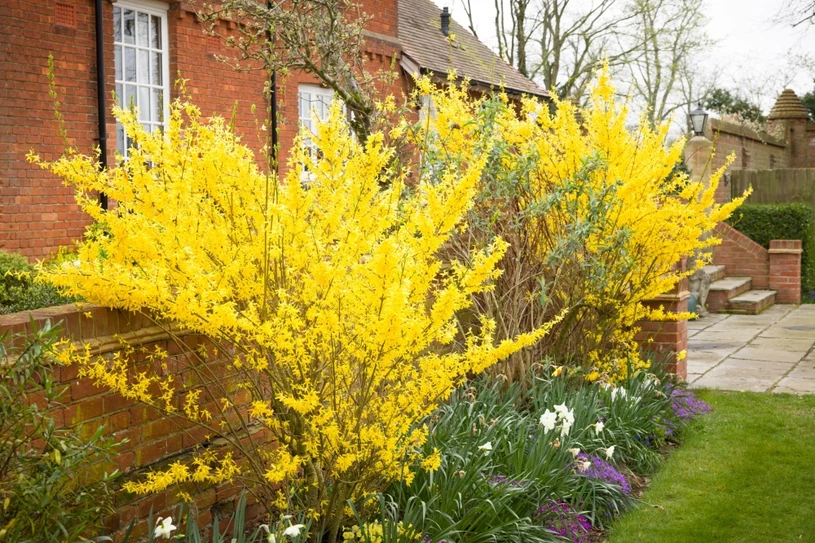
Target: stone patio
{"type": "Point", "coordinates": [769, 352]}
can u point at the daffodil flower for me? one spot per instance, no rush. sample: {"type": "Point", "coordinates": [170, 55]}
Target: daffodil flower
{"type": "Point", "coordinates": [164, 527]}
{"type": "Point", "coordinates": [270, 538]}
{"type": "Point", "coordinates": [548, 420]}
{"type": "Point", "coordinates": [610, 452]}
{"type": "Point", "coordinates": [293, 530]}
{"type": "Point", "coordinates": [598, 426]}
{"type": "Point", "coordinates": [486, 447]}
{"type": "Point", "coordinates": [574, 451]}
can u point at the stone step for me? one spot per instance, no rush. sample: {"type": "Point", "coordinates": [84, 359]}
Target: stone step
{"type": "Point", "coordinates": [715, 272]}
{"type": "Point", "coordinates": [751, 302]}
{"type": "Point", "coordinates": [723, 290]}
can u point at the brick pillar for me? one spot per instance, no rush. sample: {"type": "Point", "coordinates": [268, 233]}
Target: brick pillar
{"type": "Point", "coordinates": [785, 270]}
{"type": "Point", "coordinates": [665, 342]}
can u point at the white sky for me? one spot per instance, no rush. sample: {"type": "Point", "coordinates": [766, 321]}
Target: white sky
{"type": "Point", "coordinates": [750, 46]}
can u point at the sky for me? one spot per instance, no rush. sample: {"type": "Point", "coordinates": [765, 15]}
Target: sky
{"type": "Point", "coordinates": [750, 49]}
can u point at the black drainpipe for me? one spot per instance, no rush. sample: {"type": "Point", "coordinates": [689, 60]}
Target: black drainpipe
{"type": "Point", "coordinates": [100, 97]}
{"type": "Point", "coordinates": [272, 98]}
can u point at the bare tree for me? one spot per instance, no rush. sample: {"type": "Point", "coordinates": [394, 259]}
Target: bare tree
{"type": "Point", "coordinates": [666, 38]}
{"type": "Point", "coordinates": [320, 37]}
{"type": "Point", "coordinates": [797, 12]}
{"type": "Point", "coordinates": [559, 43]}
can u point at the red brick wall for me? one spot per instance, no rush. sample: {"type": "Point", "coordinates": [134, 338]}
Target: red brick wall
{"type": "Point", "coordinates": [37, 213]}
{"type": "Point", "coordinates": [742, 256]}
{"type": "Point", "coordinates": [751, 150]}
{"type": "Point", "coordinates": [665, 342]}
{"type": "Point", "coordinates": [153, 439]}
{"type": "Point", "coordinates": [785, 270]}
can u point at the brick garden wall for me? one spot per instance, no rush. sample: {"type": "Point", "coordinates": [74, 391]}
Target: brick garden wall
{"type": "Point", "coordinates": [153, 439]}
{"type": "Point", "coordinates": [742, 256]}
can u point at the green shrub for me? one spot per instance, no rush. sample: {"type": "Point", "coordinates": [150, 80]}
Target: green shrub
{"type": "Point", "coordinates": [19, 288]}
{"type": "Point", "coordinates": [765, 222]}
{"type": "Point", "coordinates": [53, 487]}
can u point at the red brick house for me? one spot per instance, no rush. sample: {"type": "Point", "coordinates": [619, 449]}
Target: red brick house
{"type": "Point", "coordinates": [142, 46]}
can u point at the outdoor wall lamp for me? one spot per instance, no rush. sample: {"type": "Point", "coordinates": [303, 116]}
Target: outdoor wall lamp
{"type": "Point", "coordinates": [698, 120]}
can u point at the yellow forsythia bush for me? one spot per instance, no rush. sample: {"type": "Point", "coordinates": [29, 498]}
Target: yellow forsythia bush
{"type": "Point", "coordinates": [596, 220]}
{"type": "Point", "coordinates": [330, 296]}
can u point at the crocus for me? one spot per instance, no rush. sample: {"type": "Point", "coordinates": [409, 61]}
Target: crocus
{"type": "Point", "coordinates": [164, 527]}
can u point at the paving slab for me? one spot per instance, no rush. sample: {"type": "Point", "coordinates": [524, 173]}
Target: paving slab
{"type": "Point", "coordinates": [798, 344]}
{"type": "Point", "coordinates": [773, 351]}
{"type": "Point", "coordinates": [733, 383]}
{"type": "Point", "coordinates": [792, 385]}
{"type": "Point", "coordinates": [769, 355]}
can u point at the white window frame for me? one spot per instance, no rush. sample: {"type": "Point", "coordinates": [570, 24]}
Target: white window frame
{"type": "Point", "coordinates": [326, 96]}
{"type": "Point", "coordinates": [158, 9]}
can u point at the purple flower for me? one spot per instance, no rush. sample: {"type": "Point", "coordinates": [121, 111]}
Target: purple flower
{"type": "Point", "coordinates": [686, 406]}
{"type": "Point", "coordinates": [602, 471]}
{"type": "Point", "coordinates": [560, 518]}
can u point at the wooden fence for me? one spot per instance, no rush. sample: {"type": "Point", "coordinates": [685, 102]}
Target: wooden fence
{"type": "Point", "coordinates": [779, 186]}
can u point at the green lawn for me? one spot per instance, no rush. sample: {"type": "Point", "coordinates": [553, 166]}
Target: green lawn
{"type": "Point", "coordinates": [745, 473]}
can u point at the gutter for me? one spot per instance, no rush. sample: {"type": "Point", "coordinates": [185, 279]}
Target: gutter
{"type": "Point", "coordinates": [100, 96]}
{"type": "Point", "coordinates": [272, 98]}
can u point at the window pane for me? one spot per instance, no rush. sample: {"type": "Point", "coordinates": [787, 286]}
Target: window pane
{"type": "Point", "coordinates": [130, 64]}
{"type": "Point", "coordinates": [130, 96]}
{"type": "Point", "coordinates": [304, 100]}
{"type": "Point", "coordinates": [155, 32]}
{"type": "Point", "coordinates": [144, 103]}
{"type": "Point", "coordinates": [120, 139]}
{"type": "Point", "coordinates": [143, 75]}
{"type": "Point", "coordinates": [119, 94]}
{"type": "Point", "coordinates": [129, 26]}
{"type": "Point", "coordinates": [156, 106]}
{"type": "Point", "coordinates": [117, 24]}
{"type": "Point", "coordinates": [155, 68]}
{"type": "Point", "coordinates": [142, 29]}
{"type": "Point", "coordinates": [117, 56]}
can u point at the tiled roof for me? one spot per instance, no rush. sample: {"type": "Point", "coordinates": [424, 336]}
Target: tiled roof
{"type": "Point", "coordinates": [422, 40]}
{"type": "Point", "coordinates": [788, 106]}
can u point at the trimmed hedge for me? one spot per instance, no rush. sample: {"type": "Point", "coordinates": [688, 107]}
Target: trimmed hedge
{"type": "Point", "coordinates": [19, 290]}
{"type": "Point", "coordinates": [765, 222]}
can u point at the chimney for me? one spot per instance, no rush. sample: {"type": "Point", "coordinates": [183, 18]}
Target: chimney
{"type": "Point", "coordinates": [445, 21]}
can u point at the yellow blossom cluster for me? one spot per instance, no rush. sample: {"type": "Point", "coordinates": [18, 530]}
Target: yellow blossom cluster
{"type": "Point", "coordinates": [604, 220]}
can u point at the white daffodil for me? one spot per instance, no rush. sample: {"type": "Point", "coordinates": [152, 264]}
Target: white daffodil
{"type": "Point", "coordinates": [565, 428]}
{"type": "Point", "coordinates": [486, 447]}
{"type": "Point", "coordinates": [598, 426]}
{"type": "Point", "coordinates": [574, 451]}
{"type": "Point", "coordinates": [561, 409]}
{"type": "Point", "coordinates": [610, 452]}
{"type": "Point", "coordinates": [270, 538]}
{"type": "Point", "coordinates": [568, 416]}
{"type": "Point", "coordinates": [293, 530]}
{"type": "Point", "coordinates": [548, 420]}
{"type": "Point", "coordinates": [584, 465]}
{"type": "Point", "coordinates": [164, 527]}
{"type": "Point", "coordinates": [285, 517]}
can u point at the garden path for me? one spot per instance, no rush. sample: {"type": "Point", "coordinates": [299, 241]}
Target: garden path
{"type": "Point", "coordinates": [770, 352]}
